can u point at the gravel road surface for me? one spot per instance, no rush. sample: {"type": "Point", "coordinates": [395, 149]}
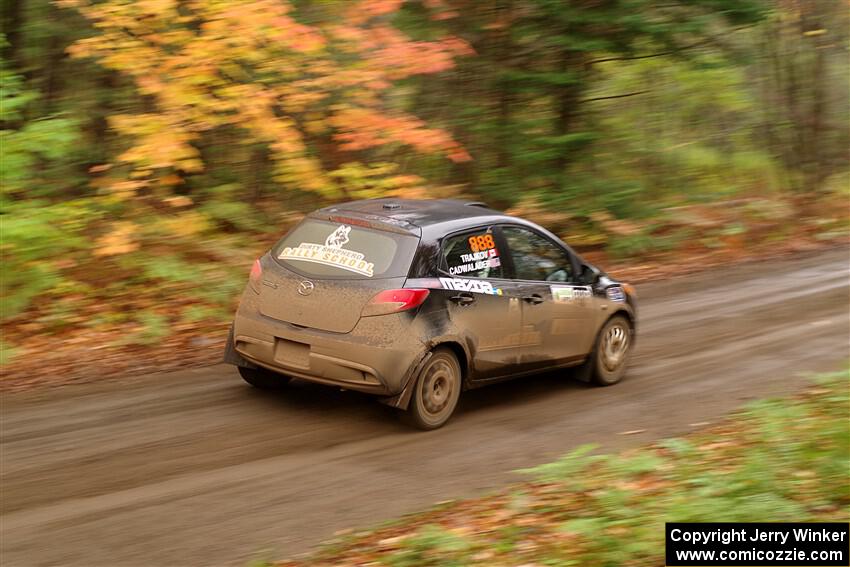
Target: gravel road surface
{"type": "Point", "coordinates": [197, 468]}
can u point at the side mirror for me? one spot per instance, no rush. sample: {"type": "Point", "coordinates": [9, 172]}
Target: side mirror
{"type": "Point", "coordinates": [590, 274]}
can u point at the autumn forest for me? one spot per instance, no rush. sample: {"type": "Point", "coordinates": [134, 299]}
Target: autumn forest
{"type": "Point", "coordinates": [152, 148]}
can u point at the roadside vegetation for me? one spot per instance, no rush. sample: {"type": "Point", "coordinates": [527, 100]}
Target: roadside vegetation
{"type": "Point", "coordinates": [152, 149]}
{"type": "Point", "coordinates": [778, 459]}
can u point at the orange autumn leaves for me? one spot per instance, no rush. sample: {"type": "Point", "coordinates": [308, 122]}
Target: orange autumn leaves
{"type": "Point", "coordinates": [316, 94]}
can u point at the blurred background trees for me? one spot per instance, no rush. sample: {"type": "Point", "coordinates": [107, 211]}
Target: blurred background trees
{"type": "Point", "coordinates": [151, 147]}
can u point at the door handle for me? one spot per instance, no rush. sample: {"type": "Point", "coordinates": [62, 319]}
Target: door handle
{"type": "Point", "coordinates": [534, 299]}
{"type": "Point", "coordinates": [463, 298]}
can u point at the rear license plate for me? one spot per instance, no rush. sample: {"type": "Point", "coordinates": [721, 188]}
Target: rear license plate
{"type": "Point", "coordinates": [292, 353]}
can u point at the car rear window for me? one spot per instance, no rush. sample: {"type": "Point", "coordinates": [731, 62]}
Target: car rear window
{"type": "Point", "coordinates": [320, 248]}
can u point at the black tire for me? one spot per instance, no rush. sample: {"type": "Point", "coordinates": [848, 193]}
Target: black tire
{"type": "Point", "coordinates": [436, 391]}
{"type": "Point", "coordinates": [262, 378]}
{"type": "Point", "coordinates": [610, 355]}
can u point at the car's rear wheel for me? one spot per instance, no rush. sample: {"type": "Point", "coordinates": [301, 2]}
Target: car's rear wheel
{"type": "Point", "coordinates": [262, 378]}
{"type": "Point", "coordinates": [611, 354]}
{"type": "Point", "coordinates": [436, 392]}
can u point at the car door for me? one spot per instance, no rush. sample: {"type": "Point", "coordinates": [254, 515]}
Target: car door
{"type": "Point", "coordinates": [482, 303]}
{"type": "Point", "coordinates": [558, 314]}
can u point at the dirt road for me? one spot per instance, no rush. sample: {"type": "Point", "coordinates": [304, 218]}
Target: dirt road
{"type": "Point", "coordinates": [196, 468]}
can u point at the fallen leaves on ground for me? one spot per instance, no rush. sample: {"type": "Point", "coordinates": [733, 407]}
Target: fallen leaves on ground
{"type": "Point", "coordinates": [611, 509]}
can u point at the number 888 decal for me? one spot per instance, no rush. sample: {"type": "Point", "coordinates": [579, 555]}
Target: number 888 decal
{"type": "Point", "coordinates": [481, 242]}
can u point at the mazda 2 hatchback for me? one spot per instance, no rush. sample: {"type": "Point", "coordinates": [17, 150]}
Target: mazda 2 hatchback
{"type": "Point", "coordinates": [416, 301]}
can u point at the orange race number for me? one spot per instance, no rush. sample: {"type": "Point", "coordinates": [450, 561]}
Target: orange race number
{"type": "Point", "coordinates": [481, 242]}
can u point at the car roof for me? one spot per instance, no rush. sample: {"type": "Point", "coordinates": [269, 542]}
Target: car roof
{"type": "Point", "coordinates": [430, 219]}
{"type": "Point", "coordinates": [437, 215]}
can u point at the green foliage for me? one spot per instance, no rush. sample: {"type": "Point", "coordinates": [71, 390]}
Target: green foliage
{"type": "Point", "coordinates": [232, 214]}
{"type": "Point", "coordinates": [33, 148]}
{"type": "Point", "coordinates": [154, 327]}
{"type": "Point", "coordinates": [168, 269]}
{"type": "Point", "coordinates": [636, 465]}
{"type": "Point", "coordinates": [200, 313]}
{"type": "Point", "coordinates": [567, 465]}
{"type": "Point", "coordinates": [7, 353]}
{"type": "Point", "coordinates": [38, 237]}
{"type": "Point", "coordinates": [539, 113]}
{"type": "Point", "coordinates": [782, 459]}
{"type": "Point", "coordinates": [262, 131]}
{"type": "Point", "coordinates": [691, 136]}
{"type": "Point", "coordinates": [14, 98]}
{"type": "Point", "coordinates": [35, 144]}
{"type": "Point", "coordinates": [775, 440]}
{"type": "Point", "coordinates": [630, 246]}
{"type": "Point", "coordinates": [431, 545]}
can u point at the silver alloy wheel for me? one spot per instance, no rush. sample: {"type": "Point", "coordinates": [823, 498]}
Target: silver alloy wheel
{"type": "Point", "coordinates": [437, 387]}
{"type": "Point", "coordinates": [615, 345]}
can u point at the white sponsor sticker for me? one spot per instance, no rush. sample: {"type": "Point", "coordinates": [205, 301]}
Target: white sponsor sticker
{"type": "Point", "coordinates": [565, 294]}
{"type": "Point", "coordinates": [331, 253]}
{"type": "Point", "coordinates": [339, 237]}
{"type": "Point", "coordinates": [472, 286]}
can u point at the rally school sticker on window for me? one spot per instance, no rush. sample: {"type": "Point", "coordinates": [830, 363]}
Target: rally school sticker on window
{"type": "Point", "coordinates": [331, 253]}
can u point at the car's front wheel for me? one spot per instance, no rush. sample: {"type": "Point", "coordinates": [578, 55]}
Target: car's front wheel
{"type": "Point", "coordinates": [611, 355]}
{"type": "Point", "coordinates": [436, 392]}
{"type": "Point", "coordinates": [262, 378]}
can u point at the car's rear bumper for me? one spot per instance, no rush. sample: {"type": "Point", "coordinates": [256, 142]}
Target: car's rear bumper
{"type": "Point", "coordinates": [319, 368]}
{"type": "Point", "coordinates": [375, 357]}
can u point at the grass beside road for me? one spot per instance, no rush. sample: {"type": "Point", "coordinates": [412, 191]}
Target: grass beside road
{"type": "Point", "coordinates": [776, 460]}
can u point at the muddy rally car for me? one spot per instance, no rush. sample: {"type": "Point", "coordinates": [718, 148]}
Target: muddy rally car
{"type": "Point", "coordinates": [417, 301]}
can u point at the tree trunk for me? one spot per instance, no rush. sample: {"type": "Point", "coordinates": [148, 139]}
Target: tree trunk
{"type": "Point", "coordinates": [567, 98]}
{"type": "Point", "coordinates": [13, 23]}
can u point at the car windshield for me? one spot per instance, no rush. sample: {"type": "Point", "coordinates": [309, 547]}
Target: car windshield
{"type": "Point", "coordinates": [320, 248]}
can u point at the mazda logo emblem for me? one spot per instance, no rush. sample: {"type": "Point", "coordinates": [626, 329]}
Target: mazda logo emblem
{"type": "Point", "coordinates": [306, 287]}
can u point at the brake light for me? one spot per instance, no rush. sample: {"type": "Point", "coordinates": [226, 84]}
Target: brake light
{"type": "Point", "coordinates": [394, 300]}
{"type": "Point", "coordinates": [255, 276]}
{"type": "Point", "coordinates": [351, 221]}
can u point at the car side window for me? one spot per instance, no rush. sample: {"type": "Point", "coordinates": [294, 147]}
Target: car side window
{"type": "Point", "coordinates": [472, 254]}
{"type": "Point", "coordinates": [536, 257]}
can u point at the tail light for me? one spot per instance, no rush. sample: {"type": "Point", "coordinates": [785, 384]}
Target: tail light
{"type": "Point", "coordinates": [255, 276]}
{"type": "Point", "coordinates": [394, 300]}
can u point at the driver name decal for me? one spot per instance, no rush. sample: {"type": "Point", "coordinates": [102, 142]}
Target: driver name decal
{"type": "Point", "coordinates": [476, 261]}
{"type": "Point", "coordinates": [331, 253]}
